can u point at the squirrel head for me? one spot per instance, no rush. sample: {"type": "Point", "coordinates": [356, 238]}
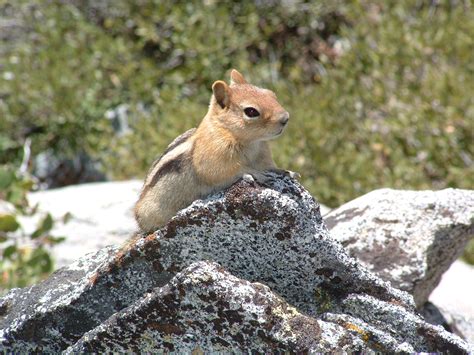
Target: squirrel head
{"type": "Point", "coordinates": [250, 113]}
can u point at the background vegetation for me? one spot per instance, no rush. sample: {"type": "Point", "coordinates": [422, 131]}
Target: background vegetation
{"type": "Point", "coordinates": [380, 92]}
{"type": "Point", "coordinates": [25, 257]}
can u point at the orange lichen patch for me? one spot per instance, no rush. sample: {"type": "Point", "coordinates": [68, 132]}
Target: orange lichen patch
{"type": "Point", "coordinates": [128, 247]}
{"type": "Point", "coordinates": [365, 335]}
{"type": "Point", "coordinates": [93, 280]}
{"type": "Point", "coordinates": [397, 303]}
{"type": "Point", "coordinates": [149, 237]}
{"type": "Point", "coordinates": [118, 259]}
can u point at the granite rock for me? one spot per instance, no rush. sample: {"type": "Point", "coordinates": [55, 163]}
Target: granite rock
{"type": "Point", "coordinates": [270, 234]}
{"type": "Point", "coordinates": [206, 308]}
{"type": "Point", "coordinates": [409, 238]}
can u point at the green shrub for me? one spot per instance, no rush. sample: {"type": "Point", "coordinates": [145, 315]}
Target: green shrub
{"type": "Point", "coordinates": [468, 254]}
{"type": "Point", "coordinates": [25, 257]}
{"type": "Point", "coordinates": [393, 111]}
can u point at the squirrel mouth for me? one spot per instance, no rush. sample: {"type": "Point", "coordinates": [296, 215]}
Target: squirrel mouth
{"type": "Point", "coordinates": [275, 135]}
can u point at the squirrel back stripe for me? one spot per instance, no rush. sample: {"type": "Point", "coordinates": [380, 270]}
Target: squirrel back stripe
{"type": "Point", "coordinates": [176, 142]}
{"type": "Point", "coordinates": [173, 165]}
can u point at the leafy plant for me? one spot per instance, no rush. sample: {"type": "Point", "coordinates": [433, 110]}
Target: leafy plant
{"type": "Point", "coordinates": [468, 254]}
{"type": "Point", "coordinates": [25, 257]}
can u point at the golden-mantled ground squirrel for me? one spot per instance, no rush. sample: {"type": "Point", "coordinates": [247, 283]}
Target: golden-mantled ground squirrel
{"type": "Point", "coordinates": [230, 143]}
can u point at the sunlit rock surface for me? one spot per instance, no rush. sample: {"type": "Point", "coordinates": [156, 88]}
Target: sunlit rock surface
{"type": "Point", "coordinates": [409, 238]}
{"type": "Point", "coordinates": [271, 235]}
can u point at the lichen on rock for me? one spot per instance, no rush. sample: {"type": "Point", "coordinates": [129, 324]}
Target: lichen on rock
{"type": "Point", "coordinates": [271, 235]}
{"type": "Point", "coordinates": [205, 307]}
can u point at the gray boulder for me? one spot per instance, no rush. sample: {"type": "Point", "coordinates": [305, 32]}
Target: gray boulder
{"type": "Point", "coordinates": [206, 308]}
{"type": "Point", "coordinates": [270, 234]}
{"type": "Point", "coordinates": [409, 238]}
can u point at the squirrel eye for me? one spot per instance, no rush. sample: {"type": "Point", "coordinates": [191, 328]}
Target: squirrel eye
{"type": "Point", "coordinates": [251, 112]}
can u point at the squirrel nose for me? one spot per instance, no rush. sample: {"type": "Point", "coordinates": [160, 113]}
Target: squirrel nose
{"type": "Point", "coordinates": [284, 117]}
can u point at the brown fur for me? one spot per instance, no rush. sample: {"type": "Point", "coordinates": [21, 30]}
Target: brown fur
{"type": "Point", "coordinates": [227, 145]}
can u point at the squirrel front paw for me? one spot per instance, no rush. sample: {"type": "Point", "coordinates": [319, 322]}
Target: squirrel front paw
{"type": "Point", "coordinates": [256, 176]}
{"type": "Point", "coordinates": [248, 178]}
{"type": "Point", "coordinates": [291, 174]}
{"type": "Point", "coordinates": [263, 176]}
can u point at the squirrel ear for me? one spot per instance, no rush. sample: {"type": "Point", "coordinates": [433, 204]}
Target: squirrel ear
{"type": "Point", "coordinates": [221, 93]}
{"type": "Point", "coordinates": [237, 78]}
